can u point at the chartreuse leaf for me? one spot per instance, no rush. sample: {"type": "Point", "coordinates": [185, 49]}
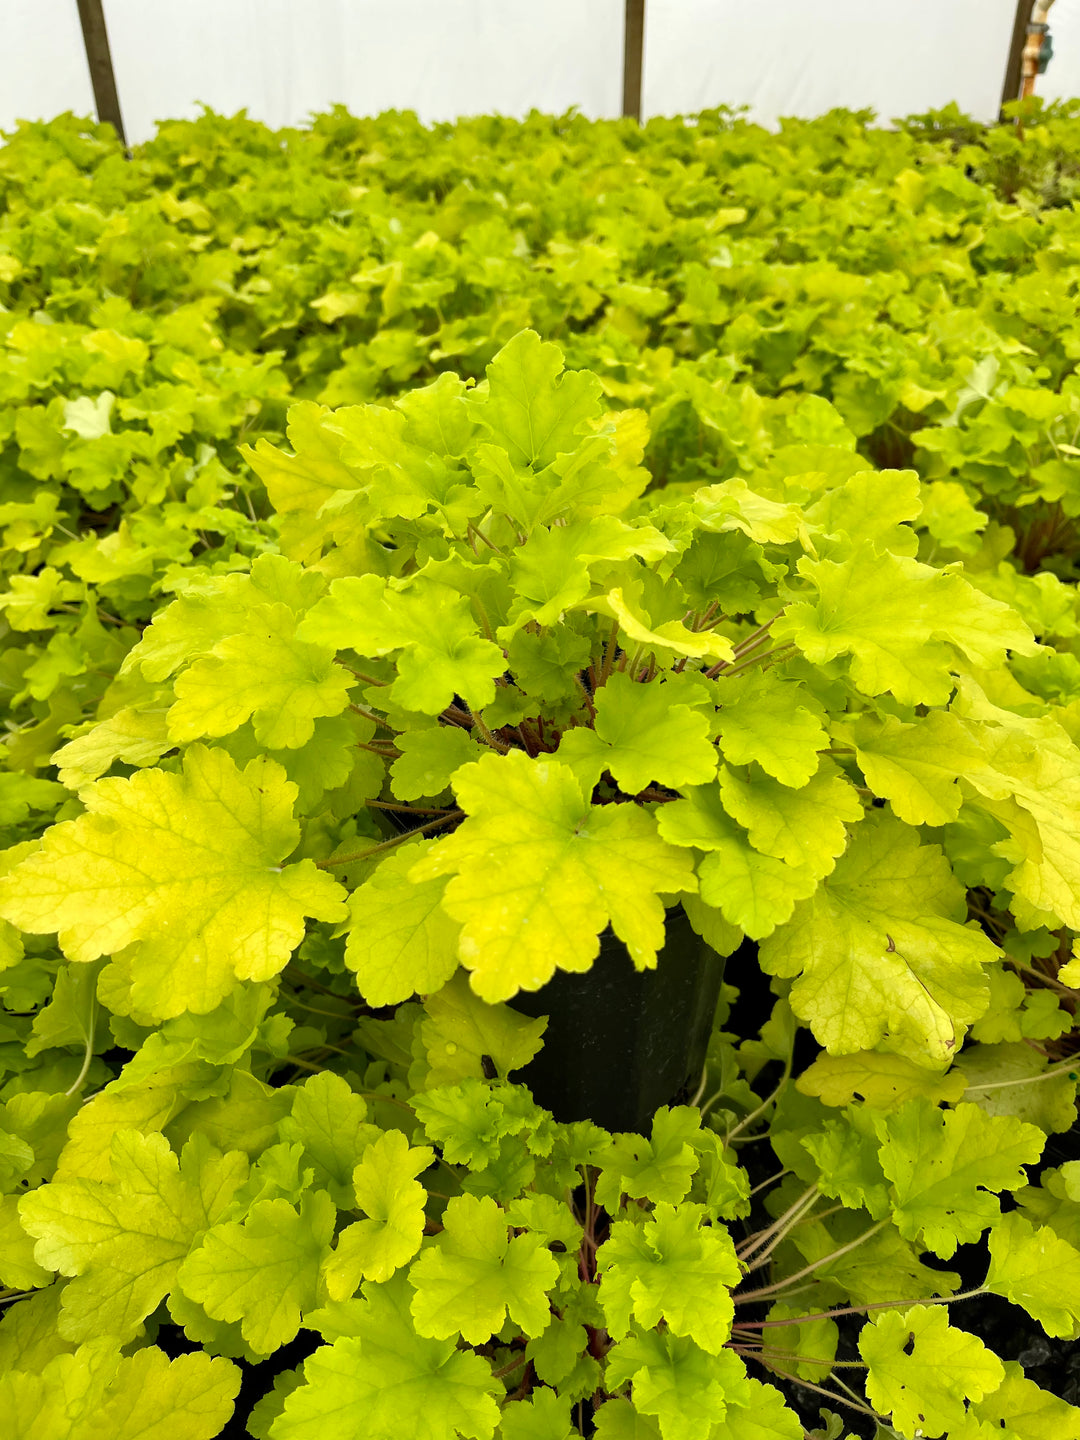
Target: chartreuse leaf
{"type": "Point", "coordinates": [460, 1030]}
{"type": "Point", "coordinates": [306, 480]}
{"type": "Point", "coordinates": [135, 735]}
{"type": "Point", "coordinates": [667, 637]}
{"type": "Point", "coordinates": [1018, 1406]}
{"type": "Point", "coordinates": [508, 1173]}
{"type": "Point", "coordinates": [544, 1416]}
{"type": "Point", "coordinates": [437, 418]}
{"type": "Point", "coordinates": [473, 1275]}
{"type": "Point", "coordinates": [244, 1116]}
{"type": "Point", "coordinates": [263, 1271]}
{"type": "Point", "coordinates": [532, 409]}
{"type": "Point", "coordinates": [874, 505]}
{"type": "Point", "coordinates": [754, 892]}
{"type": "Point", "coordinates": [1030, 782]}
{"type": "Point", "coordinates": [1012, 1079]}
{"type": "Point", "coordinates": [881, 949]}
{"type": "Point", "coordinates": [670, 1269]}
{"type": "Point", "coordinates": [191, 626]}
{"type": "Point", "coordinates": [60, 1401]}
{"type": "Point", "coordinates": [387, 1192]}
{"type": "Point", "coordinates": [330, 1121]}
{"type": "Point", "coordinates": [18, 1268]}
{"type": "Point", "coordinates": [921, 1370]}
{"type": "Point", "coordinates": [549, 1218]}
{"type": "Point", "coordinates": [537, 873]}
{"type": "Point", "coordinates": [645, 734]}
{"type": "Point", "coordinates": [214, 1335]}
{"type": "Point", "coordinates": [330, 761]}
{"type": "Point", "coordinates": [266, 674]}
{"type": "Point", "coordinates": [560, 1355]}
{"type": "Point", "coordinates": [846, 1152]}
{"type": "Point", "coordinates": [385, 1381]}
{"type": "Point", "coordinates": [943, 1166]}
{"type": "Point", "coordinates": [269, 1407]}
{"type": "Point", "coordinates": [401, 940]}
{"type": "Point", "coordinates": [400, 479]}
{"type": "Point", "coordinates": [87, 1154]}
{"type": "Point", "coordinates": [808, 1346]}
{"type": "Point", "coordinates": [97, 1391]}
{"type": "Point", "coordinates": [618, 1420]}
{"type": "Point", "coordinates": [1016, 1013]}
{"type": "Point", "coordinates": [11, 946]}
{"type": "Point", "coordinates": [804, 827]}
{"type": "Point", "coordinates": [687, 1389]}
{"type": "Point", "coordinates": [659, 1169]}
{"type": "Point", "coordinates": [469, 1120]}
{"type": "Point", "coordinates": [720, 1183]}
{"type": "Point", "coordinates": [27, 603]}
{"type": "Point", "coordinates": [1038, 1271]}
{"type": "Point", "coordinates": [37, 1126]}
{"type": "Point", "coordinates": [881, 1266]}
{"type": "Point", "coordinates": [124, 1240]}
{"type": "Point", "coordinates": [758, 1412]}
{"type": "Point", "coordinates": [278, 1174]}
{"type": "Point", "coordinates": [222, 606]}
{"type": "Point", "coordinates": [883, 1081]}
{"type": "Point", "coordinates": [949, 515]}
{"type": "Point", "coordinates": [428, 759]}
{"type": "Point", "coordinates": [777, 723]}
{"type": "Point", "coordinates": [1069, 974]}
{"type": "Point", "coordinates": [726, 570]}
{"type": "Point", "coordinates": [732, 505]}
{"type": "Point", "coordinates": [1056, 1201]}
{"type": "Point", "coordinates": [551, 571]}
{"type": "Point", "coordinates": [189, 1398]}
{"type": "Point", "coordinates": [902, 623]}
{"type": "Point", "coordinates": [440, 650]}
{"type": "Point", "coordinates": [603, 475]}
{"type": "Point", "coordinates": [181, 872]}
{"type": "Point", "coordinates": [546, 665]}
{"type": "Point", "coordinates": [915, 767]}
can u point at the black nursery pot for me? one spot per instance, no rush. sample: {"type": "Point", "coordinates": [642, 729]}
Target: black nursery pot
{"type": "Point", "coordinates": [622, 1042]}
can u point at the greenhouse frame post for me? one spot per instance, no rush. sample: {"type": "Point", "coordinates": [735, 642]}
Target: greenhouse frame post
{"type": "Point", "coordinates": [1011, 88]}
{"type": "Point", "coordinates": [99, 61]}
{"type": "Point", "coordinates": [633, 50]}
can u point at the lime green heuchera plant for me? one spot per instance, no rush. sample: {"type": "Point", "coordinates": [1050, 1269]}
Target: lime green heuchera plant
{"type": "Point", "coordinates": [492, 696]}
{"type": "Point", "coordinates": [610, 699]}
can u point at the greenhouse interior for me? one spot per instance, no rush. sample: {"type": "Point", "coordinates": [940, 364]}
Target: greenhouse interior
{"type": "Point", "coordinates": [540, 772]}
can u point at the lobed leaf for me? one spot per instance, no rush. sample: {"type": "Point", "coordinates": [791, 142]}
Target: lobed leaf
{"type": "Point", "coordinates": [183, 874]}
{"type": "Point", "coordinates": [536, 874]}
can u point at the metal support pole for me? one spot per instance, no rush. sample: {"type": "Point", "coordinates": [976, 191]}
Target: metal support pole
{"type": "Point", "coordinates": [633, 47]}
{"type": "Point", "coordinates": [99, 60]}
{"type": "Point", "coordinates": [1011, 89]}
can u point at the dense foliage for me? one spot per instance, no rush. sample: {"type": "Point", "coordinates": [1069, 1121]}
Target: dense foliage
{"type": "Point", "coordinates": [424, 549]}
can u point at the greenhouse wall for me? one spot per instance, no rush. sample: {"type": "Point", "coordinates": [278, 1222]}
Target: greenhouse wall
{"type": "Point", "coordinates": [1062, 78]}
{"type": "Point", "coordinates": [785, 57]}
{"type": "Point", "coordinates": [42, 61]}
{"type": "Point", "coordinates": [283, 59]}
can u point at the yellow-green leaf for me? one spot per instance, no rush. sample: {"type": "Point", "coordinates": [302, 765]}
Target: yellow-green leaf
{"type": "Point", "coordinates": [184, 874]}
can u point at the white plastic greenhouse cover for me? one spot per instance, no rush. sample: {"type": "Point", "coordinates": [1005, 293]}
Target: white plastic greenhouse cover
{"type": "Point", "coordinates": [282, 59]}
{"type": "Point", "coordinates": [803, 57]}
{"type": "Point", "coordinates": [1062, 79]}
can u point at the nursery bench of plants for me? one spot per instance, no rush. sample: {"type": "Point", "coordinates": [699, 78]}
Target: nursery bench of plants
{"type": "Point", "coordinates": [541, 787]}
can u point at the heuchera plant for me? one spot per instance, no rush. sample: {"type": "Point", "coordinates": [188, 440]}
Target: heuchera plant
{"type": "Point", "coordinates": [494, 695]}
